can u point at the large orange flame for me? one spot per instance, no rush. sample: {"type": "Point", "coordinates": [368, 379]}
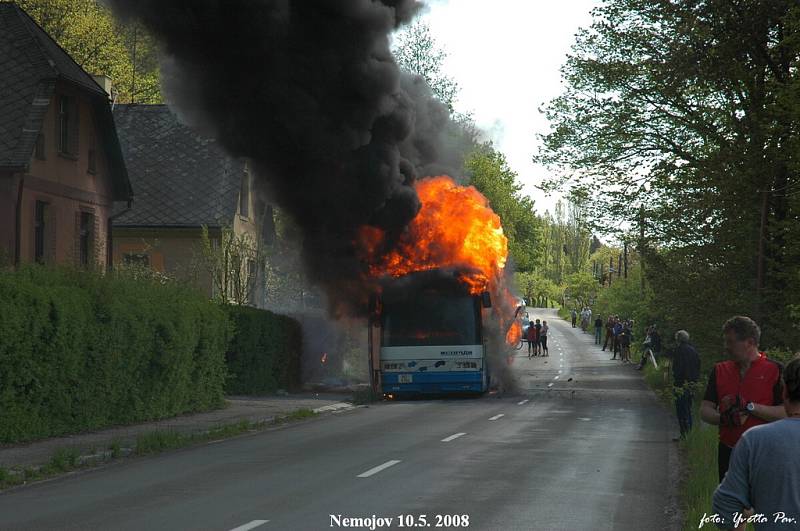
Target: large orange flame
{"type": "Point", "coordinates": [455, 228]}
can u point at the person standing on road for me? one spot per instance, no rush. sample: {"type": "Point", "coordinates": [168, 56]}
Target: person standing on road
{"type": "Point", "coordinates": [532, 337]}
{"type": "Point", "coordinates": [543, 338]}
{"type": "Point", "coordinates": [685, 372]}
{"type": "Point", "coordinates": [574, 317]}
{"type": "Point", "coordinates": [537, 348]}
{"type": "Point", "coordinates": [745, 391]}
{"type": "Point", "coordinates": [598, 330]}
{"type": "Point", "coordinates": [609, 333]}
{"type": "Point", "coordinates": [764, 474]}
{"type": "Point", "coordinates": [625, 337]}
{"type": "Point", "coordinates": [617, 331]}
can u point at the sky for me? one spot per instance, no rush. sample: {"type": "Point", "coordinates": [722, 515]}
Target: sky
{"type": "Point", "coordinates": [505, 56]}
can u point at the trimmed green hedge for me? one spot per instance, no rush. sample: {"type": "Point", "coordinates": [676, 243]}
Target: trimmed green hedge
{"type": "Point", "coordinates": [81, 351]}
{"type": "Point", "coordinates": [264, 353]}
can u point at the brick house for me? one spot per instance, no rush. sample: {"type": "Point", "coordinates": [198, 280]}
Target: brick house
{"type": "Point", "coordinates": [61, 167]}
{"type": "Point", "coordinates": [183, 182]}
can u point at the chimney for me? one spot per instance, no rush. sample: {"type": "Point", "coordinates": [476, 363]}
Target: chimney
{"type": "Point", "coordinates": [104, 82]}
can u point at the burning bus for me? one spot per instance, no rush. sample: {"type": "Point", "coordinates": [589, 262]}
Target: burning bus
{"type": "Point", "coordinates": [430, 337]}
{"type": "Point", "coordinates": [432, 323]}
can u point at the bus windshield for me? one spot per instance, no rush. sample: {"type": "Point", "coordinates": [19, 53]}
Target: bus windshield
{"type": "Point", "coordinates": [431, 319]}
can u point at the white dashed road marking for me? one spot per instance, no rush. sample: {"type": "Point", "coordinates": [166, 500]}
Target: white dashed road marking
{"type": "Point", "coordinates": [523, 402]}
{"type": "Point", "coordinates": [550, 384]}
{"type": "Point", "coordinates": [453, 437]}
{"type": "Point", "coordinates": [373, 471]}
{"type": "Point", "coordinates": [497, 416]}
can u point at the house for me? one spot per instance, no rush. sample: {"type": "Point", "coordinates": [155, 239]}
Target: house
{"type": "Point", "coordinates": [61, 168]}
{"type": "Point", "coordinates": [185, 182]}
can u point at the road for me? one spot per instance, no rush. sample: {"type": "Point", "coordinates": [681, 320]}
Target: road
{"type": "Point", "coordinates": [590, 453]}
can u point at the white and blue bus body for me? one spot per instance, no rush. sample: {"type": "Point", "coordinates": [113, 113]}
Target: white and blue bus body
{"type": "Point", "coordinates": [432, 342]}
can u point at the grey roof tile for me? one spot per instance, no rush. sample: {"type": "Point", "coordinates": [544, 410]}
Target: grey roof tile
{"type": "Point", "coordinates": [180, 178]}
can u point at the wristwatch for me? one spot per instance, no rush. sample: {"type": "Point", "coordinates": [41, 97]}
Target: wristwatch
{"type": "Point", "coordinates": [751, 407]}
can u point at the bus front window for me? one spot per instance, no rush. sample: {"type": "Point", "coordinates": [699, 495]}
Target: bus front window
{"type": "Point", "coordinates": [431, 320]}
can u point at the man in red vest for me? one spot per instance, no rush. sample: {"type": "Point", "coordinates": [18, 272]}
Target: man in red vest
{"type": "Point", "coordinates": [743, 392]}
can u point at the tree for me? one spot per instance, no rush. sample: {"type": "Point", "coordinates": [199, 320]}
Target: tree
{"type": "Point", "coordinates": [684, 116]}
{"type": "Point", "coordinates": [488, 171]}
{"type": "Point", "coordinates": [536, 289]}
{"type": "Point", "coordinates": [416, 51]}
{"type": "Point", "coordinates": [234, 262]}
{"type": "Point", "coordinates": [89, 33]}
{"type": "Point", "coordinates": [582, 288]}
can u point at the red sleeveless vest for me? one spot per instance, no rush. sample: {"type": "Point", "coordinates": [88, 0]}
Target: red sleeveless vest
{"type": "Point", "coordinates": [757, 386]}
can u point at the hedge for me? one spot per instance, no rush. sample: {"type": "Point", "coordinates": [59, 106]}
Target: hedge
{"type": "Point", "coordinates": [264, 353]}
{"type": "Point", "coordinates": [81, 351]}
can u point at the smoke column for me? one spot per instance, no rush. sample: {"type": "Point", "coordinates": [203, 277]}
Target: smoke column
{"type": "Point", "coordinates": [310, 93]}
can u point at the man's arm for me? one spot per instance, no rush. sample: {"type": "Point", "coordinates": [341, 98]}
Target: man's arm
{"type": "Point", "coordinates": [733, 494]}
{"type": "Point", "coordinates": [708, 407]}
{"type": "Point", "coordinates": [709, 413]}
{"type": "Point", "coordinates": [769, 413]}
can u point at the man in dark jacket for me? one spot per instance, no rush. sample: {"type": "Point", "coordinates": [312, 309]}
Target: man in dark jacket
{"type": "Point", "coordinates": [685, 371]}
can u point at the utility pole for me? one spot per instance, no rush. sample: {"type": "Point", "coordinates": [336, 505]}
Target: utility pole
{"type": "Point", "coordinates": [625, 254]}
{"type": "Point", "coordinates": [641, 249]}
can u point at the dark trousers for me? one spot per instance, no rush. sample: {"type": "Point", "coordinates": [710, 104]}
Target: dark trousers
{"type": "Point", "coordinates": [609, 339]}
{"type": "Point", "coordinates": [683, 409]}
{"type": "Point", "coordinates": [598, 335]}
{"type": "Point", "coordinates": [573, 322]}
{"type": "Point", "coordinates": [723, 459]}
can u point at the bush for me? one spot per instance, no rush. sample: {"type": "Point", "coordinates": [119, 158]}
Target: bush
{"type": "Point", "coordinates": [82, 351]}
{"type": "Point", "coordinates": [264, 353]}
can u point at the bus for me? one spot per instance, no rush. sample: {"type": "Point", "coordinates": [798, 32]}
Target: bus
{"type": "Point", "coordinates": [430, 339]}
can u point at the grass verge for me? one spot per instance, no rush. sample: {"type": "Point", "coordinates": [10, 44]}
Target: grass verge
{"type": "Point", "coordinates": [698, 450]}
{"type": "Point", "coordinates": [153, 442]}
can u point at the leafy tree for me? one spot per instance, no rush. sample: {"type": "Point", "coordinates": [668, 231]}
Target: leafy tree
{"type": "Point", "coordinates": [488, 171]}
{"type": "Point", "coordinates": [581, 287]}
{"type": "Point", "coordinates": [234, 262]}
{"type": "Point", "coordinates": [89, 33]}
{"type": "Point", "coordinates": [416, 51]}
{"type": "Point", "coordinates": [536, 289]}
{"type": "Point", "coordinates": [682, 120]}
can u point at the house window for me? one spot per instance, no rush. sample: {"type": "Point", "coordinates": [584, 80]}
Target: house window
{"type": "Point", "coordinates": [92, 167]}
{"type": "Point", "coordinates": [136, 259]}
{"type": "Point", "coordinates": [40, 213]}
{"type": "Point", "coordinates": [86, 238]}
{"type": "Point", "coordinates": [64, 120]}
{"type": "Point", "coordinates": [244, 196]}
{"type": "Point", "coordinates": [39, 153]}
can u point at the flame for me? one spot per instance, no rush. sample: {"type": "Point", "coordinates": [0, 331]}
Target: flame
{"type": "Point", "coordinates": [455, 228]}
{"type": "Point", "coordinates": [514, 333]}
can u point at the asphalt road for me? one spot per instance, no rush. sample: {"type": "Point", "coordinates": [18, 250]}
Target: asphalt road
{"type": "Point", "coordinates": [591, 453]}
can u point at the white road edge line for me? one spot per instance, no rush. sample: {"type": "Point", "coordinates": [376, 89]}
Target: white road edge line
{"type": "Point", "coordinates": [497, 416]}
{"type": "Point", "coordinates": [373, 471]}
{"type": "Point", "coordinates": [250, 525]}
{"type": "Point", "coordinates": [523, 402]}
{"type": "Point", "coordinates": [453, 437]}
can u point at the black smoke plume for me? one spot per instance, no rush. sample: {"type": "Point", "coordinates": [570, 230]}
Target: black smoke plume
{"type": "Point", "coordinates": [309, 91]}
